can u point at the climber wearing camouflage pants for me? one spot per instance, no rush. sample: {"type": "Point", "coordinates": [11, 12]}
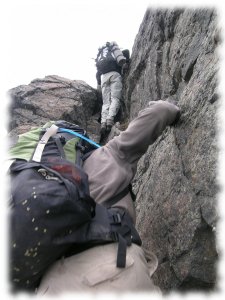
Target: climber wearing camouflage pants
{"type": "Point", "coordinates": [110, 63]}
{"type": "Point", "coordinates": [111, 85]}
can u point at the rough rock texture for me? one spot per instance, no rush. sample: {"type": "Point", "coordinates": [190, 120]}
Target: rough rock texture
{"type": "Point", "coordinates": [174, 53]}
{"type": "Point", "coordinates": [54, 98]}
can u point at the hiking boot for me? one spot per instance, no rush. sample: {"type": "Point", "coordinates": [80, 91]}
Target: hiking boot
{"type": "Point", "coordinates": [103, 128]}
{"type": "Point", "coordinates": [109, 124]}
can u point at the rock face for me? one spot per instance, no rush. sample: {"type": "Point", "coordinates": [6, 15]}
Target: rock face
{"type": "Point", "coordinates": [174, 53]}
{"type": "Point", "coordinates": [54, 98]}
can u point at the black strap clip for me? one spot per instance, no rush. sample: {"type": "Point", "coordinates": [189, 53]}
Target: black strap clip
{"type": "Point", "coordinates": [117, 219]}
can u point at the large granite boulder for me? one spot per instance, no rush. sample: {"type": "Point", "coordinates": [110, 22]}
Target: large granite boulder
{"type": "Point", "coordinates": [54, 98]}
{"type": "Point", "coordinates": [175, 54]}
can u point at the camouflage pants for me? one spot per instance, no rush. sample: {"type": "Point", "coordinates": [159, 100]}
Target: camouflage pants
{"type": "Point", "coordinates": [111, 94]}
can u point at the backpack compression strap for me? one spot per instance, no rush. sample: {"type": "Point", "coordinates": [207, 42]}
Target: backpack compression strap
{"type": "Point", "coordinates": [43, 141]}
{"type": "Point", "coordinates": [124, 232]}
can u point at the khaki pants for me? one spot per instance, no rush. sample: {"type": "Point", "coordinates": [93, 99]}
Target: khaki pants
{"type": "Point", "coordinates": [94, 270]}
{"type": "Point", "coordinates": [111, 95]}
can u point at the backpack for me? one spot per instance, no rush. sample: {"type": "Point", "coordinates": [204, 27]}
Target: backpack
{"type": "Point", "coordinates": [104, 57]}
{"type": "Point", "coordinates": [52, 214]}
{"type": "Point", "coordinates": [109, 53]}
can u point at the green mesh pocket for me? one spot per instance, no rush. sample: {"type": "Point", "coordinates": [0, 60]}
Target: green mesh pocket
{"type": "Point", "coordinates": [26, 144]}
{"type": "Point", "coordinates": [70, 149]}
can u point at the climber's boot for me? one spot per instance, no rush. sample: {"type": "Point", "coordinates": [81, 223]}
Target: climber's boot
{"type": "Point", "coordinates": [109, 124]}
{"type": "Point", "coordinates": [103, 128]}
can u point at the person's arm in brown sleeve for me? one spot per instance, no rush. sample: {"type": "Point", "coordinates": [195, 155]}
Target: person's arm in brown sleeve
{"type": "Point", "coordinates": [132, 143]}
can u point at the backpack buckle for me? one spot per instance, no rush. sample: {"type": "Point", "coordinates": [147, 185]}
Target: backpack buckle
{"type": "Point", "coordinates": [117, 218]}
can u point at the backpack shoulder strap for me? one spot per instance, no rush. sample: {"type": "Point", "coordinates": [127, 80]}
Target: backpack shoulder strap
{"type": "Point", "coordinates": [113, 200]}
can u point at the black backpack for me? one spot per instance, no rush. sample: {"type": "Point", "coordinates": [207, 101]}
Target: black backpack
{"type": "Point", "coordinates": [104, 57]}
{"type": "Point", "coordinates": [52, 214]}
